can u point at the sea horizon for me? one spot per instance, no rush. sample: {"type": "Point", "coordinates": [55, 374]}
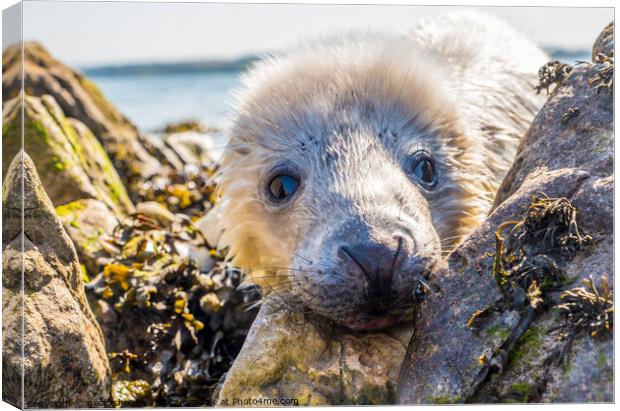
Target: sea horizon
{"type": "Point", "coordinates": [155, 94]}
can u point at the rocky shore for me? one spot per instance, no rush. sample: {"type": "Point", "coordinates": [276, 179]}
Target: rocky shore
{"type": "Point", "coordinates": [124, 302]}
{"type": "Point", "coordinates": [157, 329]}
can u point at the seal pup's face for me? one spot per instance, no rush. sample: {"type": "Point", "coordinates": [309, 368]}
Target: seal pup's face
{"type": "Point", "coordinates": [343, 180]}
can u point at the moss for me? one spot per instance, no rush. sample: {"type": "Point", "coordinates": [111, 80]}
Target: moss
{"type": "Point", "coordinates": [95, 157]}
{"type": "Point", "coordinates": [523, 390]}
{"type": "Point", "coordinates": [67, 209]}
{"type": "Point", "coordinates": [603, 143]}
{"type": "Point", "coordinates": [372, 394]}
{"type": "Point", "coordinates": [59, 165]}
{"type": "Point", "coordinates": [85, 276]}
{"type": "Point", "coordinates": [67, 150]}
{"type": "Point", "coordinates": [567, 367]}
{"type": "Point", "coordinates": [527, 347]}
{"type": "Point", "coordinates": [69, 213]}
{"type": "Point", "coordinates": [601, 360]}
{"type": "Point", "coordinates": [40, 130]}
{"type": "Point", "coordinates": [498, 331]}
{"type": "Point", "coordinates": [443, 400]}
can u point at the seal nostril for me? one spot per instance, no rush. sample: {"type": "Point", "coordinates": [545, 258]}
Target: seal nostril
{"type": "Point", "coordinates": [378, 262]}
{"type": "Point", "coordinates": [350, 254]}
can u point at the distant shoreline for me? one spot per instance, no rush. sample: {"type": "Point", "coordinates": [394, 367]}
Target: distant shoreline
{"type": "Point", "coordinates": [240, 64]}
{"type": "Point", "coordinates": [183, 67]}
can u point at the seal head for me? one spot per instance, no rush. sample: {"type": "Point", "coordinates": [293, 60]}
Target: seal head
{"type": "Point", "coordinates": [350, 169]}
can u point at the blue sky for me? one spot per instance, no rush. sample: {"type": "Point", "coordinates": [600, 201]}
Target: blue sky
{"type": "Point", "coordinates": [88, 34]}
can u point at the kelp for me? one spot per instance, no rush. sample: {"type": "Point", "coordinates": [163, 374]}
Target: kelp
{"type": "Point", "coordinates": [604, 78]}
{"type": "Point", "coordinates": [525, 261]}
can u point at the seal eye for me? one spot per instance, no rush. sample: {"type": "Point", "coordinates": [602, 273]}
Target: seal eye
{"type": "Point", "coordinates": [282, 187]}
{"type": "Point", "coordinates": [423, 169]}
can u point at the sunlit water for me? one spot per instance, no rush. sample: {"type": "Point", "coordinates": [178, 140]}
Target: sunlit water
{"type": "Point", "coordinates": [153, 100]}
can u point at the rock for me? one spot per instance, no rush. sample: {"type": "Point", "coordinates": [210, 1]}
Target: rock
{"type": "Point", "coordinates": [81, 99]}
{"type": "Point", "coordinates": [605, 42]}
{"type": "Point", "coordinates": [160, 214]}
{"type": "Point", "coordinates": [64, 362]}
{"type": "Point", "coordinates": [192, 147]}
{"type": "Point", "coordinates": [287, 357]}
{"type": "Point", "coordinates": [155, 145]}
{"type": "Point", "coordinates": [511, 351]}
{"type": "Point", "coordinates": [69, 159]}
{"type": "Point", "coordinates": [187, 125]}
{"type": "Point", "coordinates": [87, 222]}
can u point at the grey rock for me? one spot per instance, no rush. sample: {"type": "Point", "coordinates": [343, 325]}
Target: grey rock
{"type": "Point", "coordinates": [605, 42]}
{"type": "Point", "coordinates": [64, 362]}
{"type": "Point", "coordinates": [561, 156]}
{"type": "Point", "coordinates": [192, 147]}
{"type": "Point", "coordinates": [285, 356]}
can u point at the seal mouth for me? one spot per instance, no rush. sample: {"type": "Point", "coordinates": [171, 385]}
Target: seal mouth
{"type": "Point", "coordinates": [373, 323]}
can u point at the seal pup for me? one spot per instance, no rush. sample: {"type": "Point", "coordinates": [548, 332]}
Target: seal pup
{"type": "Point", "coordinates": [355, 162]}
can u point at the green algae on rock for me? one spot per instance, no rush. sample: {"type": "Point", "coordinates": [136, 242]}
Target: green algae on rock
{"type": "Point", "coordinates": [78, 98]}
{"type": "Point", "coordinates": [71, 163]}
{"type": "Point", "coordinates": [87, 222]}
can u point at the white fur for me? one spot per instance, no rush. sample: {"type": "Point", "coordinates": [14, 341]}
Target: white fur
{"type": "Point", "coordinates": [465, 77]}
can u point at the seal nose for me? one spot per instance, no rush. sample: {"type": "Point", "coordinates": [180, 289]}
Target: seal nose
{"type": "Point", "coordinates": [377, 262]}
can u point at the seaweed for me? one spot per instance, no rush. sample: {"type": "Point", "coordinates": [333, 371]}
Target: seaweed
{"type": "Point", "coordinates": [588, 309]}
{"type": "Point", "coordinates": [179, 322]}
{"type": "Point", "coordinates": [525, 269]}
{"type": "Point", "coordinates": [551, 73]}
{"type": "Point", "coordinates": [584, 310]}
{"type": "Point", "coordinates": [604, 77]}
{"type": "Point", "coordinates": [571, 113]}
{"type": "Point", "coordinates": [191, 192]}
{"type": "Point", "coordinates": [524, 263]}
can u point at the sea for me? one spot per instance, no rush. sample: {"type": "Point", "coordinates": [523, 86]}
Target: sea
{"type": "Point", "coordinates": [151, 101]}
{"type": "Point", "coordinates": [155, 97]}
